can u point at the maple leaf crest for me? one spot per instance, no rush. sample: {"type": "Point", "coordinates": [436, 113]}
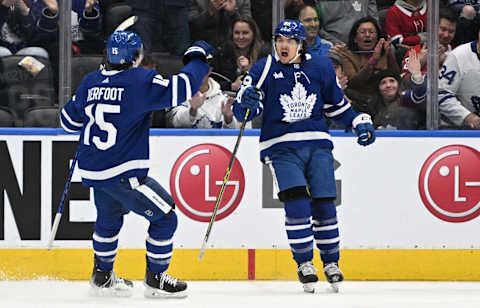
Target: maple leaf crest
{"type": "Point", "coordinates": [297, 106]}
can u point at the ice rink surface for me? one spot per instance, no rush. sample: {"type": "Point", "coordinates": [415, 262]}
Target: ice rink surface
{"type": "Point", "coordinates": [278, 294]}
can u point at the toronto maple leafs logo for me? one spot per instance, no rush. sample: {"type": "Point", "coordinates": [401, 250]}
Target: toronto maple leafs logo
{"type": "Point", "coordinates": [357, 6]}
{"type": "Point", "coordinates": [297, 106]}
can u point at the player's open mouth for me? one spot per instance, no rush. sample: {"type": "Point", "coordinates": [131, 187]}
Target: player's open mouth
{"type": "Point", "coordinates": [284, 54]}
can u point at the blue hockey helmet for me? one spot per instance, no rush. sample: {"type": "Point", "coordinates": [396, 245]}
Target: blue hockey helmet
{"type": "Point", "coordinates": [122, 46]}
{"type": "Point", "coordinates": [291, 28]}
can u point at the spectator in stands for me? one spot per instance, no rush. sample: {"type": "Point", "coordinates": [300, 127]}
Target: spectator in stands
{"type": "Point", "coordinates": [208, 108]}
{"type": "Point", "coordinates": [210, 20]}
{"type": "Point", "coordinates": [458, 5]}
{"type": "Point", "coordinates": [309, 18]}
{"type": "Point", "coordinates": [16, 28]}
{"type": "Point", "coordinates": [406, 22]}
{"type": "Point", "coordinates": [467, 26]}
{"type": "Point", "coordinates": [401, 110]}
{"type": "Point", "coordinates": [367, 53]}
{"type": "Point", "coordinates": [446, 32]}
{"type": "Point", "coordinates": [262, 14]}
{"type": "Point", "coordinates": [458, 84]}
{"type": "Point", "coordinates": [338, 17]}
{"type": "Point", "coordinates": [243, 48]}
{"type": "Point", "coordinates": [162, 24]}
{"type": "Point", "coordinates": [291, 7]}
{"type": "Point", "coordinates": [384, 4]}
{"type": "Point", "coordinates": [86, 25]}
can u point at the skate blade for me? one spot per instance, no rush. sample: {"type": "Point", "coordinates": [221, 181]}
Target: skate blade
{"type": "Point", "coordinates": [109, 292]}
{"type": "Point", "coordinates": [156, 293]}
{"type": "Point", "coordinates": [309, 287]}
{"type": "Point", "coordinates": [335, 287]}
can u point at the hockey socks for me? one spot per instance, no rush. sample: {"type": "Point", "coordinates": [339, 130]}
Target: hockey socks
{"type": "Point", "coordinates": [105, 244]}
{"type": "Point", "coordinates": [159, 242]}
{"type": "Point", "coordinates": [325, 231]}
{"type": "Point", "coordinates": [299, 229]}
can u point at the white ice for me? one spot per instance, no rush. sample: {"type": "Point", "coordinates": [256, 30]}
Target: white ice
{"type": "Point", "coordinates": [278, 294]}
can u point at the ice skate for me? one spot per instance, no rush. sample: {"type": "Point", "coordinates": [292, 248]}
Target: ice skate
{"type": "Point", "coordinates": [334, 275]}
{"type": "Point", "coordinates": [307, 274]}
{"type": "Point", "coordinates": [108, 284]}
{"type": "Point", "coordinates": [161, 285]}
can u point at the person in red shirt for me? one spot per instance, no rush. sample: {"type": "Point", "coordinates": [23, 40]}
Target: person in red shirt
{"type": "Point", "coordinates": [446, 32]}
{"type": "Point", "coordinates": [406, 22]}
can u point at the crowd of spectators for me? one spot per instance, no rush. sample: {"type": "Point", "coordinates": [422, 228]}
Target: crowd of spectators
{"type": "Point", "coordinates": [371, 44]}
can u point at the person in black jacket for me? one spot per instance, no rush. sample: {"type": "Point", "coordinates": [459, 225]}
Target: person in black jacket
{"type": "Point", "coordinates": [162, 24]}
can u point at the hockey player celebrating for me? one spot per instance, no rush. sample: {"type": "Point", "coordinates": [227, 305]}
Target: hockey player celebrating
{"type": "Point", "coordinates": [295, 95]}
{"type": "Point", "coordinates": [112, 110]}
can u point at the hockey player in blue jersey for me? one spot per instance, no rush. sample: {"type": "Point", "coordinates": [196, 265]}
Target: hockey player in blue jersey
{"type": "Point", "coordinates": [112, 109]}
{"type": "Point", "coordinates": [295, 93]}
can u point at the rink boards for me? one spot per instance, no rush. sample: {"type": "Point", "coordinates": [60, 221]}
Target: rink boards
{"type": "Point", "coordinates": [408, 207]}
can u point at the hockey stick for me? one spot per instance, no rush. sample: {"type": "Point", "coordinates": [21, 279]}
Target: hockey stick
{"type": "Point", "coordinates": [58, 216]}
{"type": "Point", "coordinates": [232, 160]}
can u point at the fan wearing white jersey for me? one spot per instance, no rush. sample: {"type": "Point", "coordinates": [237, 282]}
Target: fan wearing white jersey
{"type": "Point", "coordinates": [301, 90]}
{"type": "Point", "coordinates": [459, 90]}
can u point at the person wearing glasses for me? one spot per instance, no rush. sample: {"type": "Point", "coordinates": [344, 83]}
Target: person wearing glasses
{"type": "Point", "coordinates": [368, 52]}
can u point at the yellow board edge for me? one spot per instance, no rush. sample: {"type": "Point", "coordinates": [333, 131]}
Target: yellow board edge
{"type": "Point", "coordinates": [233, 264]}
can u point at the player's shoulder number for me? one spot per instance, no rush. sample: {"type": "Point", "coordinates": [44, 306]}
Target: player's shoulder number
{"type": "Point", "coordinates": [448, 75]}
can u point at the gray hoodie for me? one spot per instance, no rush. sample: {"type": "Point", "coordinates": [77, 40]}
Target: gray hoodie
{"type": "Point", "coordinates": [338, 17]}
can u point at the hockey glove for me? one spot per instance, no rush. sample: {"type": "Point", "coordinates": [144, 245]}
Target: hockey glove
{"type": "Point", "coordinates": [251, 98]}
{"type": "Point", "coordinates": [362, 125]}
{"type": "Point", "coordinates": [199, 50]}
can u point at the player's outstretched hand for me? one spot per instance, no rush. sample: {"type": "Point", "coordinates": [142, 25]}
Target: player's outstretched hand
{"type": "Point", "coordinates": [362, 124]}
{"type": "Point", "coordinates": [199, 50]}
{"type": "Point", "coordinates": [251, 98]}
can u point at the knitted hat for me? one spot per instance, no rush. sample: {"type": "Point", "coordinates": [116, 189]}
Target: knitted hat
{"type": "Point", "coordinates": [386, 73]}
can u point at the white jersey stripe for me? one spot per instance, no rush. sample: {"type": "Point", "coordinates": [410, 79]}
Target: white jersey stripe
{"type": "Point", "coordinates": [66, 128]}
{"type": "Point", "coordinates": [70, 121]}
{"type": "Point", "coordinates": [113, 172]}
{"type": "Point", "coordinates": [300, 136]}
{"type": "Point", "coordinates": [174, 90]}
{"type": "Point", "coordinates": [188, 87]}
{"type": "Point", "coordinates": [338, 111]}
{"type": "Point", "coordinates": [154, 197]}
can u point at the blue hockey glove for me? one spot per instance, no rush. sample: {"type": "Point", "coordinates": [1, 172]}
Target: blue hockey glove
{"type": "Point", "coordinates": [251, 98]}
{"type": "Point", "coordinates": [199, 50]}
{"type": "Point", "coordinates": [362, 124]}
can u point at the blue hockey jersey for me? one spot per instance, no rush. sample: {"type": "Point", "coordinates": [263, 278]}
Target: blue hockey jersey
{"type": "Point", "coordinates": [297, 99]}
{"type": "Point", "coordinates": [112, 109]}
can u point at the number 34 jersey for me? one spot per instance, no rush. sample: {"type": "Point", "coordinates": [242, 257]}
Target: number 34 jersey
{"type": "Point", "coordinates": [459, 84]}
{"type": "Point", "coordinates": [112, 109]}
